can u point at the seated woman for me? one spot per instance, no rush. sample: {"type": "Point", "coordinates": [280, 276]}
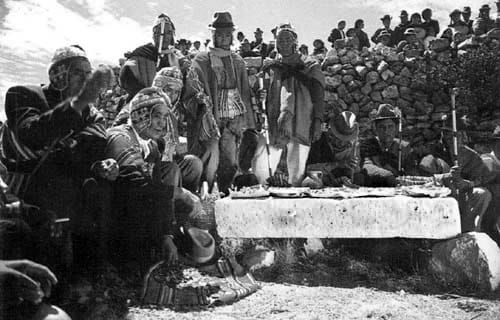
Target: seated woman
{"type": "Point", "coordinates": [169, 80]}
{"type": "Point", "coordinates": [143, 224]}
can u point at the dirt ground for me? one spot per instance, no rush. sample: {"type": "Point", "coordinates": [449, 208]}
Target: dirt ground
{"type": "Point", "coordinates": [337, 285]}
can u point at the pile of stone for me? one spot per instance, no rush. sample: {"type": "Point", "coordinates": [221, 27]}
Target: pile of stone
{"type": "Point", "coordinates": [361, 81]}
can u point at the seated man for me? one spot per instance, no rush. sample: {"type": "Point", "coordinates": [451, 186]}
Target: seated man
{"type": "Point", "coordinates": [380, 154]}
{"type": "Point", "coordinates": [144, 224]}
{"type": "Point", "coordinates": [53, 146]}
{"type": "Point", "coordinates": [169, 80]}
{"type": "Point", "coordinates": [23, 285]}
{"type": "Point", "coordinates": [336, 153]}
{"type": "Point", "coordinates": [468, 179]}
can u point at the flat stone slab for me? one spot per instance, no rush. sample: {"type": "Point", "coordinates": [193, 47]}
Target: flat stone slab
{"type": "Point", "coordinates": [399, 216]}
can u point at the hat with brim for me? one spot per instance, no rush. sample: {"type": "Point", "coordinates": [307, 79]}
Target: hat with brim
{"type": "Point", "coordinates": [386, 111]}
{"type": "Point", "coordinates": [466, 10]}
{"type": "Point", "coordinates": [403, 13]}
{"type": "Point", "coordinates": [222, 20]}
{"type": "Point", "coordinates": [386, 17]}
{"type": "Point", "coordinates": [203, 245]}
{"type": "Point", "coordinates": [485, 7]}
{"type": "Point", "coordinates": [455, 12]}
{"type": "Point", "coordinates": [344, 126]}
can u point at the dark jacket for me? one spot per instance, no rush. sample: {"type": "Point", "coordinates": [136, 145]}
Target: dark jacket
{"type": "Point", "coordinates": [398, 34]}
{"type": "Point", "coordinates": [335, 35]}
{"type": "Point", "coordinates": [363, 39]}
{"type": "Point", "coordinates": [374, 38]}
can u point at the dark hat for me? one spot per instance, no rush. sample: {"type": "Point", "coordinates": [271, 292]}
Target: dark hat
{"type": "Point", "coordinates": [344, 126]}
{"type": "Point", "coordinates": [203, 245]}
{"type": "Point", "coordinates": [485, 7]}
{"type": "Point", "coordinates": [466, 10]}
{"type": "Point", "coordinates": [383, 33]}
{"type": "Point", "coordinates": [258, 30]}
{"type": "Point", "coordinates": [455, 13]}
{"type": "Point", "coordinates": [403, 13]}
{"type": "Point", "coordinates": [66, 54]}
{"type": "Point", "coordinates": [386, 17]}
{"type": "Point", "coordinates": [182, 41]}
{"type": "Point", "coordinates": [410, 31]}
{"type": "Point", "coordinates": [386, 111]}
{"type": "Point", "coordinates": [222, 20]}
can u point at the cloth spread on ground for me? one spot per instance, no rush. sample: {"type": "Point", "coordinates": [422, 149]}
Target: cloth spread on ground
{"type": "Point", "coordinates": [184, 287]}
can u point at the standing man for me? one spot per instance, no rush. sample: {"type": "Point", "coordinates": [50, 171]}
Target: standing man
{"type": "Point", "coordinates": [337, 33]}
{"type": "Point", "coordinates": [362, 36]}
{"type": "Point", "coordinates": [143, 63]}
{"type": "Point", "coordinates": [430, 25]}
{"type": "Point", "coordinates": [398, 34]}
{"type": "Point", "coordinates": [483, 22]}
{"type": "Point", "coordinates": [295, 94]}
{"type": "Point", "coordinates": [259, 45]}
{"type": "Point", "coordinates": [466, 14]}
{"type": "Point", "coordinates": [217, 102]}
{"type": "Point", "coordinates": [386, 21]}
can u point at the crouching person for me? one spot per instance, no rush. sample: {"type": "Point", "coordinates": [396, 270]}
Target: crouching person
{"type": "Point", "coordinates": [336, 153]}
{"type": "Point", "coordinates": [143, 225]}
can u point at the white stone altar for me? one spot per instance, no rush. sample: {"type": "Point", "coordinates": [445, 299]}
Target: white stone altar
{"type": "Point", "coordinates": [399, 216]}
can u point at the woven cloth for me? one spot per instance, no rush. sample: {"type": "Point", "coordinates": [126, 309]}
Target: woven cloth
{"type": "Point", "coordinates": [185, 287]}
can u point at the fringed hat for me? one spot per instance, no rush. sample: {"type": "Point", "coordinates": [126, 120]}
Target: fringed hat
{"type": "Point", "coordinates": [170, 77]}
{"type": "Point", "coordinates": [142, 105]}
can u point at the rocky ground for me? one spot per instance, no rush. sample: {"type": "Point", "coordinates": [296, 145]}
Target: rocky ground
{"type": "Point", "coordinates": [380, 282]}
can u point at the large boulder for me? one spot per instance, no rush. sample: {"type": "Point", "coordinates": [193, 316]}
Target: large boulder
{"type": "Point", "coordinates": [471, 258]}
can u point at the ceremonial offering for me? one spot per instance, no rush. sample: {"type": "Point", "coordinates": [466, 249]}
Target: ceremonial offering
{"type": "Point", "coordinates": [329, 193]}
{"type": "Point", "coordinates": [289, 192]}
{"type": "Point", "coordinates": [426, 191]}
{"type": "Point", "coordinates": [249, 192]}
{"type": "Point", "coordinates": [413, 180]}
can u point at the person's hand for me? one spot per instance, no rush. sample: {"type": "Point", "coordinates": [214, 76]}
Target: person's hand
{"type": "Point", "coordinates": [100, 79]}
{"type": "Point", "coordinates": [27, 280]}
{"type": "Point", "coordinates": [107, 169]}
{"type": "Point", "coordinates": [316, 130]}
{"type": "Point", "coordinates": [345, 181]}
{"type": "Point", "coordinates": [169, 250]}
{"type": "Point", "coordinates": [278, 180]}
{"type": "Point", "coordinates": [285, 124]}
{"type": "Point", "coordinates": [456, 172]}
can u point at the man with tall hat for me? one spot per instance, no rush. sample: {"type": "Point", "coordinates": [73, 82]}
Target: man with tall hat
{"type": "Point", "coordinates": [386, 21]}
{"type": "Point", "coordinates": [483, 23]}
{"type": "Point", "coordinates": [53, 146]}
{"type": "Point", "coordinates": [380, 153]}
{"type": "Point", "coordinates": [143, 62]}
{"type": "Point", "coordinates": [336, 153]}
{"type": "Point", "coordinates": [468, 179]}
{"type": "Point", "coordinates": [294, 106]}
{"type": "Point", "coordinates": [217, 103]}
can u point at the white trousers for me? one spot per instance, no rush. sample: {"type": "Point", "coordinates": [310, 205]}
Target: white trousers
{"type": "Point", "coordinates": [297, 155]}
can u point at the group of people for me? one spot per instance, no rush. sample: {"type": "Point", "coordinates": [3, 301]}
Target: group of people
{"type": "Point", "coordinates": [132, 196]}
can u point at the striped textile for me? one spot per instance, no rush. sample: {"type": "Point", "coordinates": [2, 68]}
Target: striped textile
{"type": "Point", "coordinates": [185, 288]}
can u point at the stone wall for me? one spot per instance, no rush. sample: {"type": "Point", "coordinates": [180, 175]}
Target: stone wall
{"type": "Point", "coordinates": [361, 81]}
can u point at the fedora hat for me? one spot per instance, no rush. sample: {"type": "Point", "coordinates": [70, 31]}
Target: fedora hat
{"type": "Point", "coordinates": [258, 30]}
{"type": "Point", "coordinates": [386, 17]}
{"type": "Point", "coordinates": [222, 20]}
{"type": "Point", "coordinates": [385, 111]}
{"type": "Point", "coordinates": [485, 7]}
{"type": "Point", "coordinates": [403, 13]}
{"type": "Point", "coordinates": [203, 245]}
{"type": "Point", "coordinates": [344, 126]}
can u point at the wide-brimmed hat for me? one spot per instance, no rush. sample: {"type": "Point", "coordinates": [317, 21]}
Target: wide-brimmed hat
{"type": "Point", "coordinates": [203, 245]}
{"type": "Point", "coordinates": [344, 126]}
{"type": "Point", "coordinates": [410, 31]}
{"type": "Point", "coordinates": [222, 20]}
{"type": "Point", "coordinates": [258, 30]}
{"type": "Point", "coordinates": [485, 7]}
{"type": "Point", "coordinates": [383, 33]}
{"type": "Point", "coordinates": [403, 13]}
{"type": "Point", "coordinates": [385, 111]}
{"type": "Point", "coordinates": [386, 17]}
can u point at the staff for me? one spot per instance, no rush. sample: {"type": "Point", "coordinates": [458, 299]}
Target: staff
{"type": "Point", "coordinates": [454, 125]}
{"type": "Point", "coordinates": [265, 126]}
{"type": "Point", "coordinates": [160, 43]}
{"type": "Point", "coordinates": [400, 133]}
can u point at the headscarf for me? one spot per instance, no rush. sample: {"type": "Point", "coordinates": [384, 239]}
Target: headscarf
{"type": "Point", "coordinates": [168, 77]}
{"type": "Point", "coordinates": [60, 63]}
{"type": "Point", "coordinates": [142, 106]}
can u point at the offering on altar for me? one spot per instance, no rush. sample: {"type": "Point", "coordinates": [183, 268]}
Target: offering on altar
{"type": "Point", "coordinates": [249, 192]}
{"type": "Point", "coordinates": [292, 192]}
